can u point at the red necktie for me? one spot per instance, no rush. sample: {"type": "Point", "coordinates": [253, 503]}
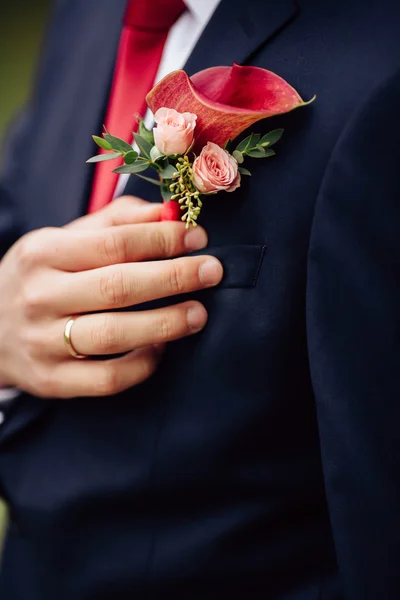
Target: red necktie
{"type": "Point", "coordinates": [141, 45]}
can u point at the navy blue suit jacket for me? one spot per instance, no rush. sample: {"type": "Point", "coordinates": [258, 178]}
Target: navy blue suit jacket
{"type": "Point", "coordinates": [262, 460]}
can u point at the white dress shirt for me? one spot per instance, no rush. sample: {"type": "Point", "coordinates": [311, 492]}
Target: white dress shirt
{"type": "Point", "coordinates": [181, 40]}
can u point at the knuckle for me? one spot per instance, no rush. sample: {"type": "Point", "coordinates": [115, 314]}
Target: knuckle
{"type": "Point", "coordinates": [114, 247]}
{"type": "Point", "coordinates": [116, 205]}
{"type": "Point", "coordinates": [164, 329]}
{"type": "Point", "coordinates": [28, 252]}
{"type": "Point", "coordinates": [113, 211]}
{"type": "Point", "coordinates": [126, 202]}
{"type": "Point", "coordinates": [160, 243]}
{"type": "Point", "coordinates": [43, 382]}
{"type": "Point", "coordinates": [33, 248]}
{"type": "Point", "coordinates": [32, 300]}
{"type": "Point", "coordinates": [107, 337]}
{"type": "Point", "coordinates": [34, 343]}
{"type": "Point", "coordinates": [107, 383]}
{"type": "Point", "coordinates": [113, 289]}
{"type": "Point", "coordinates": [122, 203]}
{"type": "Point", "coordinates": [148, 365]}
{"type": "Point", "coordinates": [120, 210]}
{"type": "Point", "coordinates": [165, 240]}
{"type": "Point", "coordinates": [175, 278]}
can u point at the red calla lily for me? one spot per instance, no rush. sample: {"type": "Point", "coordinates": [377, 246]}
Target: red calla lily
{"type": "Point", "coordinates": [226, 100]}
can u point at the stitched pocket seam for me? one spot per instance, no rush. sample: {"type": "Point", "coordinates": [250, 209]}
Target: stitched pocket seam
{"type": "Point", "coordinates": [260, 262]}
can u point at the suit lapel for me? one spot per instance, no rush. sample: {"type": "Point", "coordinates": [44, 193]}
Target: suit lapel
{"type": "Point", "coordinates": [237, 29]}
{"type": "Point", "coordinates": [76, 109]}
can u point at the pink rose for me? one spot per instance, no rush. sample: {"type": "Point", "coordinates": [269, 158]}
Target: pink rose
{"type": "Point", "coordinates": [174, 132]}
{"type": "Point", "coordinates": [215, 169]}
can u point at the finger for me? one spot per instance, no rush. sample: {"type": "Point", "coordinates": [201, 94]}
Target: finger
{"type": "Point", "coordinates": [74, 378]}
{"type": "Point", "coordinates": [121, 211]}
{"type": "Point", "coordinates": [116, 333]}
{"type": "Point", "coordinates": [131, 284]}
{"type": "Point", "coordinates": [76, 250]}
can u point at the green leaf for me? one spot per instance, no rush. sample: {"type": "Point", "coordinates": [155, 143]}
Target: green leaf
{"type": "Point", "coordinates": [137, 167]}
{"type": "Point", "coordinates": [143, 145]}
{"type": "Point", "coordinates": [244, 144]}
{"type": "Point", "coordinates": [168, 172]}
{"type": "Point", "coordinates": [130, 157]}
{"type": "Point", "coordinates": [117, 144]}
{"type": "Point", "coordinates": [145, 133]}
{"type": "Point", "coordinates": [264, 153]}
{"type": "Point", "coordinates": [244, 171]}
{"type": "Point", "coordinates": [101, 142]}
{"type": "Point", "coordinates": [255, 138]}
{"type": "Point", "coordinates": [101, 157]}
{"type": "Point", "coordinates": [272, 137]}
{"type": "Point", "coordinates": [149, 179]}
{"type": "Point", "coordinates": [238, 156]}
{"type": "Point", "coordinates": [249, 143]}
{"type": "Point", "coordinates": [256, 153]}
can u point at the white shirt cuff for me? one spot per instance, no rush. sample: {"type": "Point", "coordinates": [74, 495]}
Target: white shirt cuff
{"type": "Point", "coordinates": [8, 394]}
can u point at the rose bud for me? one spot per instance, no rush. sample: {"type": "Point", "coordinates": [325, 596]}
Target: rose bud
{"type": "Point", "coordinates": [215, 169]}
{"type": "Point", "coordinates": [174, 132]}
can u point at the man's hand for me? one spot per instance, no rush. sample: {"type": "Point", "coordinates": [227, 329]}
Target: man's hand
{"type": "Point", "coordinates": [109, 260]}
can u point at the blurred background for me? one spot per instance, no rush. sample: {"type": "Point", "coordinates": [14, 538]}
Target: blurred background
{"type": "Point", "coordinates": [22, 27]}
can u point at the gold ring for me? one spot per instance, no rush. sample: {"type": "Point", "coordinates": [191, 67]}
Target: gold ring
{"type": "Point", "coordinates": [68, 341]}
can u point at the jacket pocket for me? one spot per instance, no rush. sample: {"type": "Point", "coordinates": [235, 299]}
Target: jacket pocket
{"type": "Point", "coordinates": [242, 263]}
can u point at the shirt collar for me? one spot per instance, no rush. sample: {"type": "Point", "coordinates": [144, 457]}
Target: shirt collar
{"type": "Point", "coordinates": [202, 9]}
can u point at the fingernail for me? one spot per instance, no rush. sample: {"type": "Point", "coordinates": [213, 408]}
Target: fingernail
{"type": "Point", "coordinates": [195, 239]}
{"type": "Point", "coordinates": [210, 272]}
{"type": "Point", "coordinates": [196, 317]}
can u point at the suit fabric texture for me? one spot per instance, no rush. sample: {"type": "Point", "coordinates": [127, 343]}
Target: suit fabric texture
{"type": "Point", "coordinates": [261, 461]}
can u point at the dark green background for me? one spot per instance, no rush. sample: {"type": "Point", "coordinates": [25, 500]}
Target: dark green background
{"type": "Point", "coordinates": [22, 27]}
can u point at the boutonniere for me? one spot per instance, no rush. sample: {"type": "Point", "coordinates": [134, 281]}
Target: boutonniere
{"type": "Point", "coordinates": [197, 120]}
